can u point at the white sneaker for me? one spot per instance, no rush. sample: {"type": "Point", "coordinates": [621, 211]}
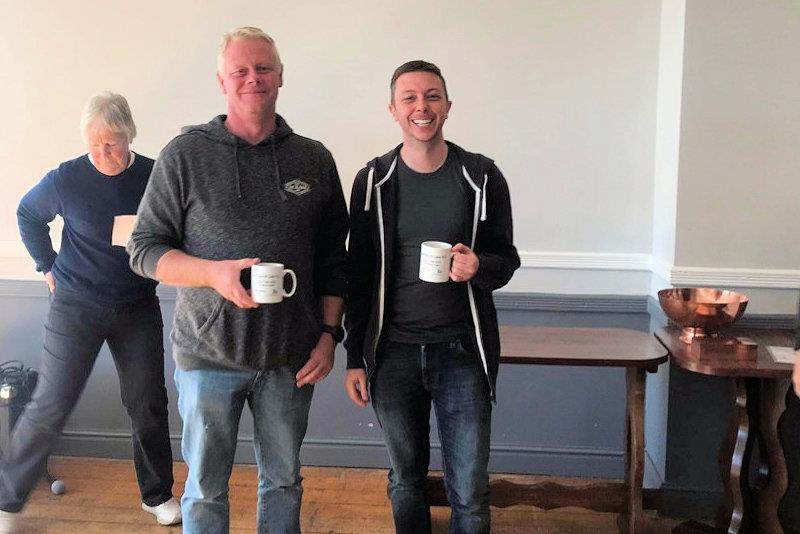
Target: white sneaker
{"type": "Point", "coordinates": [9, 522]}
{"type": "Point", "coordinates": [167, 513]}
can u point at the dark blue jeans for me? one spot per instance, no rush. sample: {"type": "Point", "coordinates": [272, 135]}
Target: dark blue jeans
{"type": "Point", "coordinates": [74, 333]}
{"type": "Point", "coordinates": [407, 380]}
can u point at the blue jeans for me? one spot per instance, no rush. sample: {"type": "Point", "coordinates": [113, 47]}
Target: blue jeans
{"type": "Point", "coordinates": [408, 379]}
{"type": "Point", "coordinates": [210, 402]}
{"type": "Point", "coordinates": [75, 330]}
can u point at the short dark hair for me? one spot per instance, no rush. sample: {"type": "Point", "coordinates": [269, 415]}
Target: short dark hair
{"type": "Point", "coordinates": [417, 65]}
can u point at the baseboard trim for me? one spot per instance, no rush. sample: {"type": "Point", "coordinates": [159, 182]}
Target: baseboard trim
{"type": "Point", "coordinates": [766, 320]}
{"type": "Point", "coordinates": [570, 303]}
{"type": "Point", "coordinates": [726, 277]}
{"type": "Point", "coordinates": [589, 463]}
{"type": "Point", "coordinates": [584, 260]}
{"type": "Point", "coordinates": [574, 462]}
{"type": "Point", "coordinates": [504, 300]}
{"type": "Point", "coordinates": [23, 288]}
{"type": "Point", "coordinates": [677, 275]}
{"type": "Point", "coordinates": [38, 289]}
{"type": "Point", "coordinates": [759, 320]}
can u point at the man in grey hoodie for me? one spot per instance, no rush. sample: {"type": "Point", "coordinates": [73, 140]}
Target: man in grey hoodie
{"type": "Point", "coordinates": [222, 197]}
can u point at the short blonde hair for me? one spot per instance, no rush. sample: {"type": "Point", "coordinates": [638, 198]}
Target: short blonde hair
{"type": "Point", "coordinates": [110, 110]}
{"type": "Point", "coordinates": [245, 32]}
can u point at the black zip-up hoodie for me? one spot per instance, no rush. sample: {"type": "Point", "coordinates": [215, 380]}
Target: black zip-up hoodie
{"type": "Point", "coordinates": [215, 196]}
{"type": "Point", "coordinates": [373, 216]}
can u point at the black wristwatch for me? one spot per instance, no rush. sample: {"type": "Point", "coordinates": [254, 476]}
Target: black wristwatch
{"type": "Point", "coordinates": [336, 332]}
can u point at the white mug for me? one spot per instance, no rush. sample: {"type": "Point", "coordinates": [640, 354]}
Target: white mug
{"type": "Point", "coordinates": [266, 283]}
{"type": "Point", "coordinates": [434, 261]}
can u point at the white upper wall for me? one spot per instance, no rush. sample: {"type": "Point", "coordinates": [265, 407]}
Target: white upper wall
{"type": "Point", "coordinates": [561, 94]}
{"type": "Point", "coordinates": [739, 179]}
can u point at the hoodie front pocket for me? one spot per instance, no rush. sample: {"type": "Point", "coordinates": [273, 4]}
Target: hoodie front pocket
{"type": "Point", "coordinates": [212, 317]}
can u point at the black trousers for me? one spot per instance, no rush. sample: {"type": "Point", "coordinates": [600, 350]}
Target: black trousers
{"type": "Point", "coordinates": [75, 330]}
{"type": "Point", "coordinates": [789, 435]}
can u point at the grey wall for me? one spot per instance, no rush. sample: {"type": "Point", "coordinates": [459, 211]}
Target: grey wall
{"type": "Point", "coordinates": [549, 420]}
{"type": "Point", "coordinates": [740, 129]}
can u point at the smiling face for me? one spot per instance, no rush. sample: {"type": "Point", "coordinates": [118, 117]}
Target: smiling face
{"type": "Point", "coordinates": [249, 77]}
{"type": "Point", "coordinates": [420, 106]}
{"type": "Point", "coordinates": [109, 150]}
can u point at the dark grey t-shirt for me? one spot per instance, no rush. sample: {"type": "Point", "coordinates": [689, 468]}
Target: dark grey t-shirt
{"type": "Point", "coordinates": [430, 208]}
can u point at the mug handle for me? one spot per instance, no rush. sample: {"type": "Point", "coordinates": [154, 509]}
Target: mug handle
{"type": "Point", "coordinates": [294, 282]}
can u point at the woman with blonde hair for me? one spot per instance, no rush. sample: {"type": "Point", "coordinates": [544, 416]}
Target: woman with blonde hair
{"type": "Point", "coordinates": [94, 298]}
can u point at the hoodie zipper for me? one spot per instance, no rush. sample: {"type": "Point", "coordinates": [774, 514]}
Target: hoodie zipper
{"type": "Point", "coordinates": [479, 213]}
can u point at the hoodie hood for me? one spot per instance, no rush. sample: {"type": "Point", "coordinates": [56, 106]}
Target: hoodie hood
{"type": "Point", "coordinates": [215, 131]}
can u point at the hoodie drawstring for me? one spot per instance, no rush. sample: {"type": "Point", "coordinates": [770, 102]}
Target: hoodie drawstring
{"type": "Point", "coordinates": [483, 197]}
{"type": "Point", "coordinates": [236, 169]}
{"type": "Point", "coordinates": [369, 187]}
{"type": "Point", "coordinates": [278, 181]}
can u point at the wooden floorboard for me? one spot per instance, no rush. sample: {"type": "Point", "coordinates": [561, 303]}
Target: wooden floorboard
{"type": "Point", "coordinates": [102, 497]}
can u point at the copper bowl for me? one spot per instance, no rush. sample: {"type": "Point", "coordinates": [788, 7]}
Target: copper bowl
{"type": "Point", "coordinates": [701, 311]}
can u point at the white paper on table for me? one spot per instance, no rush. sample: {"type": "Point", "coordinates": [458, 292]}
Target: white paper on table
{"type": "Point", "coordinates": [123, 228]}
{"type": "Point", "coordinates": [782, 354]}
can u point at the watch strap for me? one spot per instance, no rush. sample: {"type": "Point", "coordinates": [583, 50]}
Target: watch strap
{"type": "Point", "coordinates": [337, 332]}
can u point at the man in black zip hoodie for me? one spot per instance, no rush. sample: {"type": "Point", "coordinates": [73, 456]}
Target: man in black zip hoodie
{"type": "Point", "coordinates": [412, 344]}
{"type": "Point", "coordinates": [222, 197]}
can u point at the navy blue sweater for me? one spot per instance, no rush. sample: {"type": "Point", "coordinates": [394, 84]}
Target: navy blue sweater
{"type": "Point", "coordinates": [88, 201]}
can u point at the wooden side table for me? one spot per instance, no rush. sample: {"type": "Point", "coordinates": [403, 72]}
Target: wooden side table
{"type": "Point", "coordinates": [638, 352]}
{"type": "Point", "coordinates": [759, 384]}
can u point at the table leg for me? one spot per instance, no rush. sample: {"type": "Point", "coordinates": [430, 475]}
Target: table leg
{"type": "Point", "coordinates": [632, 521]}
{"type": "Point", "coordinates": [734, 459]}
{"type": "Point", "coordinates": [772, 469]}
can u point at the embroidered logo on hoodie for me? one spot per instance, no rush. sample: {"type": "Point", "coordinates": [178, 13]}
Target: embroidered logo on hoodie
{"type": "Point", "coordinates": [297, 187]}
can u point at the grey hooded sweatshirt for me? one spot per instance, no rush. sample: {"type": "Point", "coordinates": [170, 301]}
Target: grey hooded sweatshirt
{"type": "Point", "coordinates": [215, 196]}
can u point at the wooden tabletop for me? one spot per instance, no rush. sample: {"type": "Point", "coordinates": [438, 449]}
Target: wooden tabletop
{"type": "Point", "coordinates": [601, 347]}
{"type": "Point", "coordinates": [718, 359]}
